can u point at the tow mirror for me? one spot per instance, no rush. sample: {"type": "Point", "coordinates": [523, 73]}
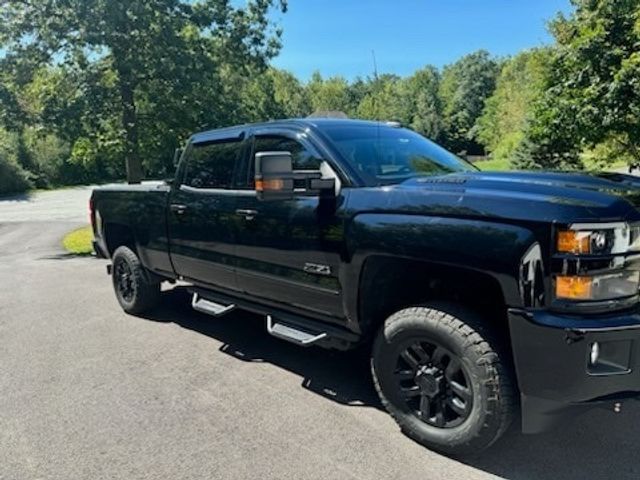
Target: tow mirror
{"type": "Point", "coordinates": [176, 156]}
{"type": "Point", "coordinates": [274, 176]}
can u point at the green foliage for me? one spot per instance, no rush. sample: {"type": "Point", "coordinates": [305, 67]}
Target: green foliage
{"type": "Point", "coordinates": [143, 62]}
{"type": "Point", "coordinates": [13, 178]}
{"type": "Point", "coordinates": [331, 94]}
{"type": "Point", "coordinates": [271, 95]}
{"type": "Point", "coordinates": [493, 164]}
{"type": "Point", "coordinates": [592, 95]}
{"type": "Point", "coordinates": [505, 117]}
{"type": "Point", "coordinates": [92, 90]}
{"type": "Point", "coordinates": [289, 94]}
{"type": "Point", "coordinates": [613, 151]}
{"type": "Point", "coordinates": [421, 102]}
{"type": "Point", "coordinates": [541, 154]}
{"type": "Point", "coordinates": [381, 100]}
{"type": "Point", "coordinates": [464, 88]}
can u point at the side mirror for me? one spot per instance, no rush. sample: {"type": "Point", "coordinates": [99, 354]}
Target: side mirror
{"type": "Point", "coordinates": [274, 175]}
{"type": "Point", "coordinates": [176, 156]}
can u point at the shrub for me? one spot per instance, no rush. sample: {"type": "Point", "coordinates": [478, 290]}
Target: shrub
{"type": "Point", "coordinates": [13, 179]}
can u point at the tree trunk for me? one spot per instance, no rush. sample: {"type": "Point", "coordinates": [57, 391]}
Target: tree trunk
{"type": "Point", "coordinates": [130, 126]}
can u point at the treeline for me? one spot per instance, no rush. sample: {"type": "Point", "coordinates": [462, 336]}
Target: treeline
{"type": "Point", "coordinates": [100, 90]}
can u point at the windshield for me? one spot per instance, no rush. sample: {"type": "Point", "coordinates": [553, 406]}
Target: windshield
{"type": "Point", "coordinates": [386, 155]}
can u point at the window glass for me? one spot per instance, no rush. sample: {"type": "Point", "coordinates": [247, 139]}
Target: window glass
{"type": "Point", "coordinates": [302, 157]}
{"type": "Point", "coordinates": [210, 165]}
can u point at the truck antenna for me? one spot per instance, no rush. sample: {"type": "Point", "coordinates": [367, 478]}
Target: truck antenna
{"type": "Point", "coordinates": [375, 65]}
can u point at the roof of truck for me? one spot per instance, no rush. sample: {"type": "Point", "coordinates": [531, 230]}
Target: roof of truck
{"type": "Point", "coordinates": [319, 123]}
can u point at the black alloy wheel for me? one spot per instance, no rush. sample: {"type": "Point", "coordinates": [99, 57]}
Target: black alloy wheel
{"type": "Point", "coordinates": [136, 289]}
{"type": "Point", "coordinates": [444, 377]}
{"type": "Point", "coordinates": [434, 383]}
{"type": "Point", "coordinates": [123, 280]}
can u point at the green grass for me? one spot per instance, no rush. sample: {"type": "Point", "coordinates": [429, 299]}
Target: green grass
{"type": "Point", "coordinates": [493, 164]}
{"type": "Point", "coordinates": [78, 241]}
{"type": "Point", "coordinates": [589, 165]}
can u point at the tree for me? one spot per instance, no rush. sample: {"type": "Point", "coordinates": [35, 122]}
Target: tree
{"type": "Point", "coordinates": [421, 103]}
{"type": "Point", "coordinates": [382, 100]}
{"type": "Point", "coordinates": [535, 153]}
{"type": "Point", "coordinates": [146, 43]}
{"type": "Point", "coordinates": [593, 91]}
{"type": "Point", "coordinates": [289, 94]}
{"type": "Point", "coordinates": [331, 94]}
{"type": "Point", "coordinates": [465, 86]}
{"type": "Point", "coordinates": [521, 81]}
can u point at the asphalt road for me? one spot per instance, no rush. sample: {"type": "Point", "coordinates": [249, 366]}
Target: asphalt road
{"type": "Point", "coordinates": [87, 391]}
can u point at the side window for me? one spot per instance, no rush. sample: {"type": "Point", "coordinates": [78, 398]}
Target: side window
{"type": "Point", "coordinates": [210, 165]}
{"type": "Point", "coordinates": [303, 158]}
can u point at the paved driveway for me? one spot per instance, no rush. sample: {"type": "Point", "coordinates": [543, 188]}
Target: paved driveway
{"type": "Point", "coordinates": [69, 204]}
{"type": "Point", "coordinates": [89, 392]}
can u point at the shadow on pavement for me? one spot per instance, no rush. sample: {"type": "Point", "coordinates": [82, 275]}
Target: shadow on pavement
{"type": "Point", "coordinates": [16, 197]}
{"type": "Point", "coordinates": [67, 256]}
{"type": "Point", "coordinates": [342, 377]}
{"type": "Point", "coordinates": [597, 445]}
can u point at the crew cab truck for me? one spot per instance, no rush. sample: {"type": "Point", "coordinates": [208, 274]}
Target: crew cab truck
{"type": "Point", "coordinates": [482, 295]}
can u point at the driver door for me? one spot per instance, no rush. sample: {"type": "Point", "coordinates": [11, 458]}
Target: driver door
{"type": "Point", "coordinates": [288, 251]}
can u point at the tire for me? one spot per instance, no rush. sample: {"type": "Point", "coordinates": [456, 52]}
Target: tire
{"type": "Point", "coordinates": [135, 293]}
{"type": "Point", "coordinates": [442, 378]}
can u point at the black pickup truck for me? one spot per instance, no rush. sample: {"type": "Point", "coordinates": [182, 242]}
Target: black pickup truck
{"type": "Point", "coordinates": [481, 295]}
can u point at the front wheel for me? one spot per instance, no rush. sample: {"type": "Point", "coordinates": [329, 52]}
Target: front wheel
{"type": "Point", "coordinates": [134, 291]}
{"type": "Point", "coordinates": [442, 378]}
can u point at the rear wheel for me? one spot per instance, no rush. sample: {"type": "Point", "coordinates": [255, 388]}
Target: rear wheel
{"type": "Point", "coordinates": [134, 291]}
{"type": "Point", "coordinates": [442, 378]}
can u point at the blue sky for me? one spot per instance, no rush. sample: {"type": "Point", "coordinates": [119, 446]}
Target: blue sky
{"type": "Point", "coordinates": [336, 37]}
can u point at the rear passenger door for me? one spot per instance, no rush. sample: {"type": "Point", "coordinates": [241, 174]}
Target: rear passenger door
{"type": "Point", "coordinates": [201, 215]}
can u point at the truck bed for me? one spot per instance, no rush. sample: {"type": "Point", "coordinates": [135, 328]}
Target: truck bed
{"type": "Point", "coordinates": [138, 208]}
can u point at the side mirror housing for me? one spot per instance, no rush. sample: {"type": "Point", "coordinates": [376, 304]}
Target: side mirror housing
{"type": "Point", "coordinates": [274, 176]}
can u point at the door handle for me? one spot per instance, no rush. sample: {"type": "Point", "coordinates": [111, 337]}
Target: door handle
{"type": "Point", "coordinates": [248, 214]}
{"type": "Point", "coordinates": [178, 208]}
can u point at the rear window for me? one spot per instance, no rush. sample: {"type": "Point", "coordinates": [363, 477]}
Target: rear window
{"type": "Point", "coordinates": [211, 165]}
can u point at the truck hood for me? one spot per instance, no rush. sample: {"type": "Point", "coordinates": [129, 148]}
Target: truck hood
{"type": "Point", "coordinates": [561, 197]}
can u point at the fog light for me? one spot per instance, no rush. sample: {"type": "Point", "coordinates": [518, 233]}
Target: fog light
{"type": "Point", "coordinates": [595, 353]}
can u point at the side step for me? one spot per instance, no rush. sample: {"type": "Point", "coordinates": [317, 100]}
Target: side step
{"type": "Point", "coordinates": [283, 324]}
{"type": "Point", "coordinates": [209, 307]}
{"type": "Point", "coordinates": [292, 333]}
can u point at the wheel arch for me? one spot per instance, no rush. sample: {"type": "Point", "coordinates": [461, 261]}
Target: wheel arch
{"type": "Point", "coordinates": [403, 260]}
{"type": "Point", "coordinates": [116, 235]}
{"type": "Point", "coordinates": [388, 284]}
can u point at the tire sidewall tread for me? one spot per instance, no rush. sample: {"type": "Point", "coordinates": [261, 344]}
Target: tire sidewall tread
{"type": "Point", "coordinates": [147, 293]}
{"type": "Point", "coordinates": [464, 334]}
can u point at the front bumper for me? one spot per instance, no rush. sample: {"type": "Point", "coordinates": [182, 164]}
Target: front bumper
{"type": "Point", "coordinates": [552, 356]}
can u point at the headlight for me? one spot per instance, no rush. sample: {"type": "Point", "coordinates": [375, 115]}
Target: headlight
{"type": "Point", "coordinates": [596, 265]}
{"type": "Point", "coordinates": [598, 239]}
{"type": "Point", "coordinates": [597, 287]}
